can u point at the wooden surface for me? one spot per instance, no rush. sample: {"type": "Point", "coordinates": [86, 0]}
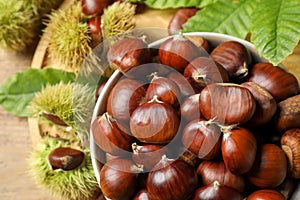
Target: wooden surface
{"type": "Point", "coordinates": [15, 140]}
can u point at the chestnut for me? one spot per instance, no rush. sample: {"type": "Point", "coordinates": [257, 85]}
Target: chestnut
{"type": "Point", "coordinates": [203, 71]}
{"type": "Point", "coordinates": [190, 108]}
{"type": "Point", "coordinates": [265, 105]}
{"type": "Point", "coordinates": [165, 89]}
{"type": "Point", "coordinates": [227, 103]}
{"type": "Point", "coordinates": [154, 122]}
{"type": "Point", "coordinates": [288, 114]}
{"type": "Point", "coordinates": [94, 24]}
{"type": "Point", "coordinates": [266, 194]}
{"type": "Point", "coordinates": [210, 171]}
{"type": "Point", "coordinates": [147, 155]}
{"type": "Point", "coordinates": [277, 81]}
{"type": "Point", "coordinates": [94, 7]}
{"type": "Point", "coordinates": [238, 149]}
{"type": "Point", "coordinates": [234, 57]}
{"type": "Point", "coordinates": [190, 158]}
{"type": "Point", "coordinates": [290, 144]}
{"type": "Point", "coordinates": [142, 195]}
{"type": "Point", "coordinates": [65, 158]}
{"type": "Point", "coordinates": [216, 191]}
{"type": "Point", "coordinates": [119, 178]}
{"type": "Point", "coordinates": [123, 99]}
{"type": "Point", "coordinates": [179, 18]}
{"type": "Point", "coordinates": [177, 52]}
{"type": "Point", "coordinates": [108, 136]}
{"type": "Point", "coordinates": [182, 83]}
{"type": "Point", "coordinates": [171, 180]}
{"type": "Point", "coordinates": [270, 167]}
{"type": "Point", "coordinates": [128, 53]}
{"type": "Point", "coordinates": [202, 138]}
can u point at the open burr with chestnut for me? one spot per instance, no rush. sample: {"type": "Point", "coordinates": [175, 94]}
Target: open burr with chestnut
{"type": "Point", "coordinates": [194, 124]}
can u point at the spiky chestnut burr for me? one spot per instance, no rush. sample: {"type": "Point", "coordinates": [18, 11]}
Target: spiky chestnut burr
{"type": "Point", "coordinates": [79, 183]}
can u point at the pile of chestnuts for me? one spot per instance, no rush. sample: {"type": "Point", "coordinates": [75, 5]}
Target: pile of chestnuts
{"type": "Point", "coordinates": [188, 120]}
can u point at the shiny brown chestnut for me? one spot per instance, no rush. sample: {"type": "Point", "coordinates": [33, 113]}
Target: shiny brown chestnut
{"type": "Point", "coordinates": [127, 53]}
{"type": "Point", "coordinates": [265, 105]}
{"type": "Point", "coordinates": [216, 191]}
{"type": "Point", "coordinates": [165, 89]}
{"type": "Point", "coordinates": [190, 108]}
{"type": "Point", "coordinates": [270, 167]}
{"type": "Point", "coordinates": [65, 158]}
{"type": "Point", "coordinates": [227, 103]}
{"type": "Point", "coordinates": [203, 71]}
{"type": "Point", "coordinates": [171, 180]}
{"type": "Point", "coordinates": [109, 137]}
{"type": "Point", "coordinates": [185, 88]}
{"type": "Point", "coordinates": [94, 24]}
{"type": "Point", "coordinates": [290, 144]}
{"type": "Point", "coordinates": [202, 138]}
{"type": "Point", "coordinates": [142, 195]}
{"type": "Point", "coordinates": [94, 7]}
{"type": "Point", "coordinates": [266, 194]}
{"type": "Point", "coordinates": [154, 122]}
{"type": "Point", "coordinates": [288, 114]}
{"type": "Point", "coordinates": [177, 52]}
{"type": "Point", "coordinates": [234, 57]}
{"type": "Point", "coordinates": [119, 178]}
{"type": "Point", "coordinates": [210, 171]}
{"type": "Point", "coordinates": [280, 83]}
{"type": "Point", "coordinates": [239, 148]}
{"type": "Point", "coordinates": [123, 99]}
{"type": "Point", "coordinates": [147, 155]}
{"type": "Point", "coordinates": [179, 18]}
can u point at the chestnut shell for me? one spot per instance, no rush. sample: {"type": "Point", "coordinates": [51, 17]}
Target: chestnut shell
{"type": "Point", "coordinates": [227, 103]}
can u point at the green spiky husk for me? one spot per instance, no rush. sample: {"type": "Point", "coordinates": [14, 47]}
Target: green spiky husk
{"type": "Point", "coordinates": [71, 102]}
{"type": "Point", "coordinates": [69, 39]}
{"type": "Point", "coordinates": [21, 20]}
{"type": "Point", "coordinates": [76, 184]}
{"type": "Point", "coordinates": [118, 18]}
{"type": "Point", "coordinates": [19, 24]}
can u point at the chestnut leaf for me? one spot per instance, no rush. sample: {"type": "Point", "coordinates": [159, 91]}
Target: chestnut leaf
{"type": "Point", "coordinates": [223, 16]}
{"type": "Point", "coordinates": [18, 91]}
{"type": "Point", "coordinates": [163, 4]}
{"type": "Point", "coordinates": [276, 32]}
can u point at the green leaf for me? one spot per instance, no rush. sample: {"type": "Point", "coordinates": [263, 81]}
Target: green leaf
{"type": "Point", "coordinates": [275, 28]}
{"type": "Point", "coordinates": [17, 92]}
{"type": "Point", "coordinates": [163, 4]}
{"type": "Point", "coordinates": [224, 16]}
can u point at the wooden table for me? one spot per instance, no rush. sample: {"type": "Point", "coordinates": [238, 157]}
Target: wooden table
{"type": "Point", "coordinates": [15, 141]}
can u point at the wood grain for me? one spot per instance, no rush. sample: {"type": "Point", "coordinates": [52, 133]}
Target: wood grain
{"type": "Point", "coordinates": [15, 140]}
